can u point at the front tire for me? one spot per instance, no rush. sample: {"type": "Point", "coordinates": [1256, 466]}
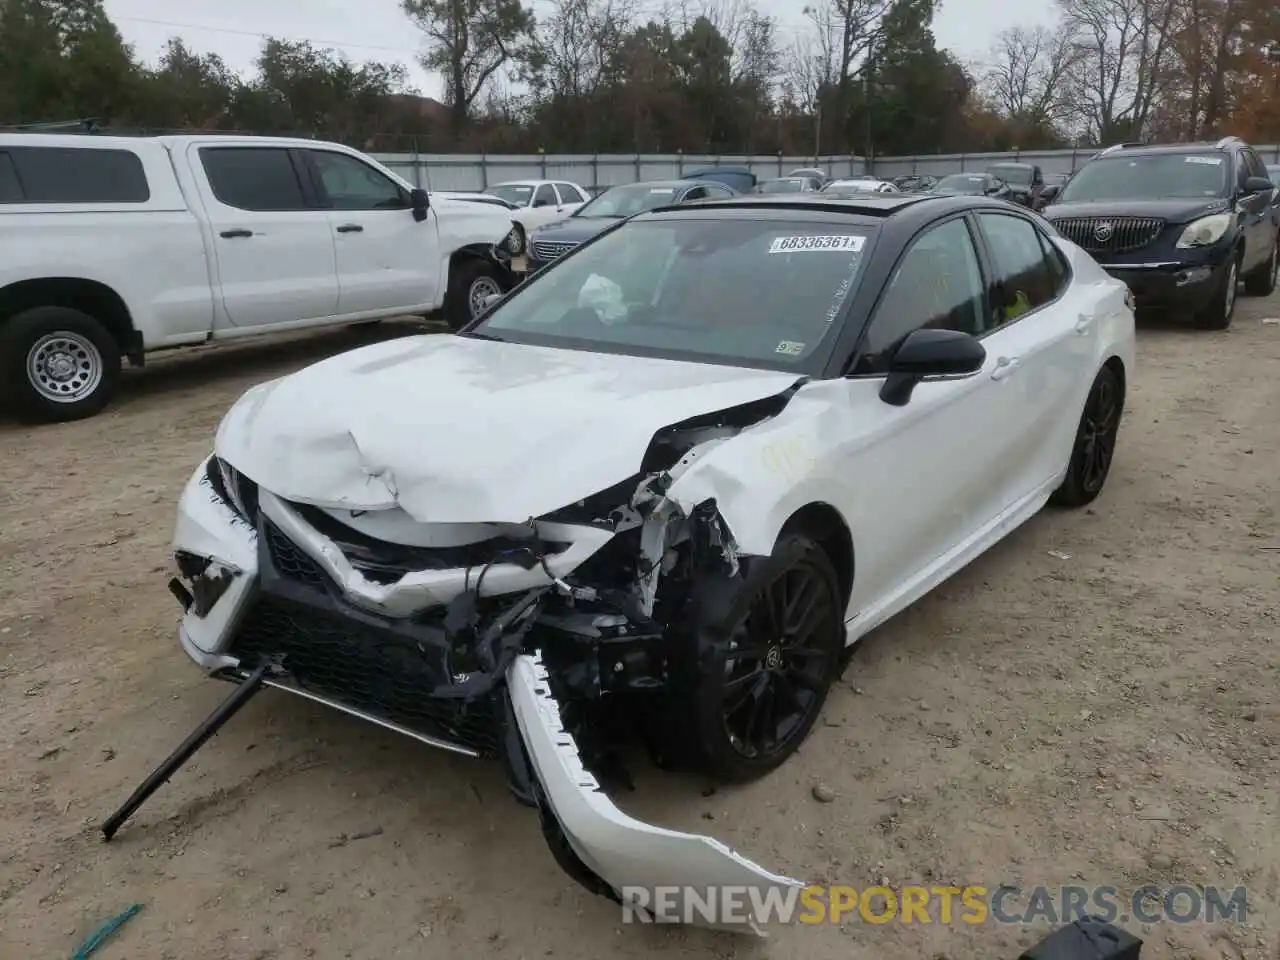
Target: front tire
{"type": "Point", "coordinates": [1095, 444]}
{"type": "Point", "coordinates": [470, 281]}
{"type": "Point", "coordinates": [773, 654]}
{"type": "Point", "coordinates": [1262, 282]}
{"type": "Point", "coordinates": [57, 364]}
{"type": "Point", "coordinates": [517, 241]}
{"type": "Point", "coordinates": [1217, 315]}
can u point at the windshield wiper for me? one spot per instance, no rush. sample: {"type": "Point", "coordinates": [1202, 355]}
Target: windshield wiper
{"type": "Point", "coordinates": [477, 335]}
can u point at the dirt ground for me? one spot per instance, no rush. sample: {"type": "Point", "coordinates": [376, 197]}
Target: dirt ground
{"type": "Point", "coordinates": [1093, 702]}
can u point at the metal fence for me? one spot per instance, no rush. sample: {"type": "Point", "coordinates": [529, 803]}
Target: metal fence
{"type": "Point", "coordinates": [460, 171]}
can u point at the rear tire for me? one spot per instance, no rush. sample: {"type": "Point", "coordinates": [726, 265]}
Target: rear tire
{"type": "Point", "coordinates": [57, 364]}
{"type": "Point", "coordinates": [1262, 282]}
{"type": "Point", "coordinates": [471, 279]}
{"type": "Point", "coordinates": [1217, 315]}
{"type": "Point", "coordinates": [1095, 443]}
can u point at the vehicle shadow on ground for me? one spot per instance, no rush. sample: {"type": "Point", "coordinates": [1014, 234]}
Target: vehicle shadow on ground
{"type": "Point", "coordinates": [193, 368]}
{"type": "Point", "coordinates": [1170, 321]}
{"type": "Point", "coordinates": [423, 800]}
{"type": "Point", "coordinates": [201, 366]}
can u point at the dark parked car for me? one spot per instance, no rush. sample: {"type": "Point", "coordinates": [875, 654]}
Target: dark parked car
{"type": "Point", "coordinates": [740, 178]}
{"type": "Point", "coordinates": [789, 185]}
{"type": "Point", "coordinates": [1180, 223]}
{"type": "Point", "coordinates": [617, 203]}
{"type": "Point", "coordinates": [820, 175]}
{"type": "Point", "coordinates": [1053, 184]}
{"type": "Point", "coordinates": [914, 183]}
{"type": "Point", "coordinates": [971, 185]}
{"type": "Point", "coordinates": [1025, 182]}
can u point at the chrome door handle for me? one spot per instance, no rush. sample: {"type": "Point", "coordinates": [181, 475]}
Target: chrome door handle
{"type": "Point", "coordinates": [1004, 367]}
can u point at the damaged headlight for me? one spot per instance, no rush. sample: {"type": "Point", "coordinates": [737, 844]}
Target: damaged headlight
{"type": "Point", "coordinates": [234, 489]}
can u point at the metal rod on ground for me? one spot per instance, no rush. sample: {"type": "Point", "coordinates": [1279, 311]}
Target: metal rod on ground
{"type": "Point", "coordinates": [225, 711]}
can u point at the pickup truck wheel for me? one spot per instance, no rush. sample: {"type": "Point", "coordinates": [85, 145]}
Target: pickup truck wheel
{"type": "Point", "coordinates": [471, 283]}
{"type": "Point", "coordinates": [515, 241]}
{"type": "Point", "coordinates": [58, 364]}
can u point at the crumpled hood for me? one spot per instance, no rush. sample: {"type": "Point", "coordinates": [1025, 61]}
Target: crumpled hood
{"type": "Point", "coordinates": [460, 430]}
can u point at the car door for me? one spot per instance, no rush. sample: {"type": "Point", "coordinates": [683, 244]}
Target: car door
{"type": "Point", "coordinates": [571, 198]}
{"type": "Point", "coordinates": [1256, 211]}
{"type": "Point", "coordinates": [271, 241]}
{"type": "Point", "coordinates": [1039, 332]}
{"type": "Point", "coordinates": [920, 476]}
{"type": "Point", "coordinates": [542, 209]}
{"type": "Point", "coordinates": [386, 260]}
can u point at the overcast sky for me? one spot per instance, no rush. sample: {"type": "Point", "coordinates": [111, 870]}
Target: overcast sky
{"type": "Point", "coordinates": [377, 30]}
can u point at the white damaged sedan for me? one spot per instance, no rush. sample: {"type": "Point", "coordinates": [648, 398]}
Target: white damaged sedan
{"type": "Point", "coordinates": [656, 492]}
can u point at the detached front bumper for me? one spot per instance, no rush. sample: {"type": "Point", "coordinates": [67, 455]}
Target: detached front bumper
{"type": "Point", "coordinates": [243, 609]}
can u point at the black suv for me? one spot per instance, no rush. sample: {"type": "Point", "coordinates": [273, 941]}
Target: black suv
{"type": "Point", "coordinates": [1180, 224]}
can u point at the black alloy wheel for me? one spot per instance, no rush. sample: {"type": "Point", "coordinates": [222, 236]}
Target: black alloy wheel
{"type": "Point", "coordinates": [1095, 445]}
{"type": "Point", "coordinates": [782, 643]}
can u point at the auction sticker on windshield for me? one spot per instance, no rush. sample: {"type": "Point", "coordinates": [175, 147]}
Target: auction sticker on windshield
{"type": "Point", "coordinates": [1207, 161]}
{"type": "Point", "coordinates": [808, 244]}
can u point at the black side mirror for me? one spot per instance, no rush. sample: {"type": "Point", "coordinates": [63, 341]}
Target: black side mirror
{"type": "Point", "coordinates": [1258, 185]}
{"type": "Point", "coordinates": [420, 203]}
{"type": "Point", "coordinates": [928, 354]}
{"type": "Point", "coordinates": [1050, 191]}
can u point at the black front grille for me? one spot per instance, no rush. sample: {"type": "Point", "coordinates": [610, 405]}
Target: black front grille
{"type": "Point", "coordinates": [380, 672]}
{"type": "Point", "coordinates": [289, 560]}
{"type": "Point", "coordinates": [1110, 234]}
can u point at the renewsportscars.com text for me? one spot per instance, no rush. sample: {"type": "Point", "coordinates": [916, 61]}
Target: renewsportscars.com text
{"type": "Point", "coordinates": [973, 904]}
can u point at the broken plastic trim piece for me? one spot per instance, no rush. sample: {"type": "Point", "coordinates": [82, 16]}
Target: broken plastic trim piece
{"type": "Point", "coordinates": [422, 589]}
{"type": "Point", "coordinates": [620, 851]}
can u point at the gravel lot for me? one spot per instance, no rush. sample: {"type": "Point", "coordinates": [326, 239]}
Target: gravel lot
{"type": "Point", "coordinates": [1092, 702]}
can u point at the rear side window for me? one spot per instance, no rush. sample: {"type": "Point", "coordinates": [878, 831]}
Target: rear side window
{"type": "Point", "coordinates": [545, 197]}
{"type": "Point", "coordinates": [72, 175]}
{"type": "Point", "coordinates": [569, 193]}
{"type": "Point", "coordinates": [10, 185]}
{"type": "Point", "coordinates": [1022, 273]}
{"type": "Point", "coordinates": [253, 178]}
{"type": "Point", "coordinates": [1059, 272]}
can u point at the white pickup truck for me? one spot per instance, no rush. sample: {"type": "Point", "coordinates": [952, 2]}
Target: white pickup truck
{"type": "Point", "coordinates": [113, 247]}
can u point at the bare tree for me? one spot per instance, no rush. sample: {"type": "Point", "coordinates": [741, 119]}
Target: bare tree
{"type": "Point", "coordinates": [580, 45]}
{"type": "Point", "coordinates": [1027, 66]}
{"type": "Point", "coordinates": [1121, 62]}
{"type": "Point", "coordinates": [850, 29]}
{"type": "Point", "coordinates": [469, 41]}
{"type": "Point", "coordinates": [811, 60]}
